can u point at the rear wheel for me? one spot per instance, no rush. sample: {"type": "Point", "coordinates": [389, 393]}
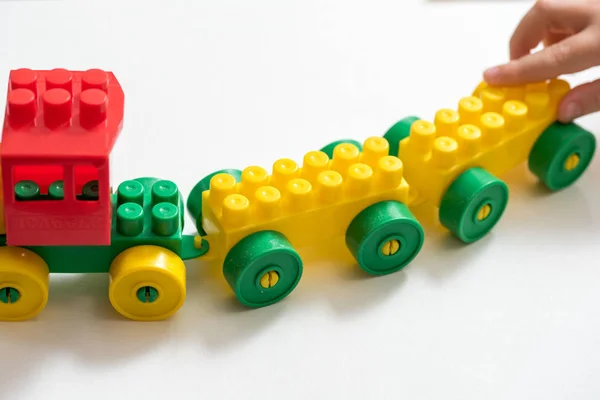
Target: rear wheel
{"type": "Point", "coordinates": [194, 201]}
{"type": "Point", "coordinates": [24, 283]}
{"type": "Point", "coordinates": [384, 237]}
{"type": "Point", "coordinates": [561, 155]}
{"type": "Point", "coordinates": [262, 269]}
{"type": "Point", "coordinates": [147, 283]}
{"type": "Point", "coordinates": [473, 204]}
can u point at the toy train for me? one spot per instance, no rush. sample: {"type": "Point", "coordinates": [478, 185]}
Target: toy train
{"type": "Point", "coordinates": [59, 213]}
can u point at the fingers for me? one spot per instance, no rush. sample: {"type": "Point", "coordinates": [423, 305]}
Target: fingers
{"type": "Point", "coordinates": [573, 54]}
{"type": "Point", "coordinates": [581, 100]}
{"type": "Point", "coordinates": [534, 25]}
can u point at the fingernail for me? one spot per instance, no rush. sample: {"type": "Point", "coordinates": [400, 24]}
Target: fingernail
{"type": "Point", "coordinates": [572, 111]}
{"type": "Point", "coordinates": [491, 74]}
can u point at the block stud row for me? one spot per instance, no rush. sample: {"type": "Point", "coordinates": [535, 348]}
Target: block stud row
{"type": "Point", "coordinates": [319, 182]}
{"type": "Point", "coordinates": [164, 206]}
{"type": "Point", "coordinates": [481, 121]}
{"type": "Point", "coordinates": [56, 93]}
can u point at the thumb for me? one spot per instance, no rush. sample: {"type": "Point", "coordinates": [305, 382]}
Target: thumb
{"type": "Point", "coordinates": [580, 101]}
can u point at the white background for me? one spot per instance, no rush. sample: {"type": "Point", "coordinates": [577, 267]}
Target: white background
{"type": "Point", "coordinates": [230, 83]}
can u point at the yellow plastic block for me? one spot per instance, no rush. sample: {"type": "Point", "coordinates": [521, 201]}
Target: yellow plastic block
{"type": "Point", "coordinates": [495, 129]}
{"type": "Point", "coordinates": [308, 203]}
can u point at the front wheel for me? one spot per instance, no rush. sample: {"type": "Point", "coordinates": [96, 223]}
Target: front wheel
{"type": "Point", "coordinates": [147, 283]}
{"type": "Point", "coordinates": [561, 155]}
{"type": "Point", "coordinates": [262, 269]}
{"type": "Point", "coordinates": [473, 204]}
{"type": "Point", "coordinates": [384, 237]}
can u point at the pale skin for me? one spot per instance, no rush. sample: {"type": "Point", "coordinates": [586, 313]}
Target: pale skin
{"type": "Point", "coordinates": [570, 32]}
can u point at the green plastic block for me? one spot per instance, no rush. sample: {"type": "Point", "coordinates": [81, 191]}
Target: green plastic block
{"type": "Point", "coordinates": [331, 146]}
{"type": "Point", "coordinates": [473, 204]}
{"type": "Point", "coordinates": [399, 131]}
{"type": "Point", "coordinates": [384, 237]}
{"type": "Point", "coordinates": [194, 201]}
{"type": "Point", "coordinates": [561, 155]}
{"type": "Point", "coordinates": [262, 269]}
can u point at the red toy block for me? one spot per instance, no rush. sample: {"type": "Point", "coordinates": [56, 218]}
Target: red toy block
{"type": "Point", "coordinates": [59, 130]}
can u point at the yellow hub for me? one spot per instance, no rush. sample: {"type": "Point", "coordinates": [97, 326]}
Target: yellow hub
{"type": "Point", "coordinates": [269, 279]}
{"type": "Point", "coordinates": [572, 162]}
{"type": "Point", "coordinates": [391, 247]}
{"type": "Point", "coordinates": [484, 212]}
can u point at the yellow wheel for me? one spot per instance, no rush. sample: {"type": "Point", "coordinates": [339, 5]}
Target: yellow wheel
{"type": "Point", "coordinates": [147, 283]}
{"type": "Point", "coordinates": [24, 282]}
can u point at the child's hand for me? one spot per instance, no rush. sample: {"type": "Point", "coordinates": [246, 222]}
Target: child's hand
{"type": "Point", "coordinates": [570, 31]}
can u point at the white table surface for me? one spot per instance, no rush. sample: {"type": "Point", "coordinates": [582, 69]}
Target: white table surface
{"type": "Point", "coordinates": [226, 84]}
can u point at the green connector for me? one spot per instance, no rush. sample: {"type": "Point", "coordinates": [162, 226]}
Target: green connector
{"type": "Point", "coordinates": [56, 190]}
{"type": "Point", "coordinates": [9, 295]}
{"type": "Point", "coordinates": [147, 294]}
{"type": "Point", "coordinates": [27, 190]}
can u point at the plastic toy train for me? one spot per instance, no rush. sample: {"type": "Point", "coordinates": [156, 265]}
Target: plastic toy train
{"type": "Point", "coordinates": [59, 213]}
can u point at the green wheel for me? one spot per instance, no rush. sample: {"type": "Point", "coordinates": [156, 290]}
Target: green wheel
{"type": "Point", "coordinates": [384, 237]}
{"type": "Point", "coordinates": [397, 132]}
{"type": "Point", "coordinates": [561, 155]}
{"type": "Point", "coordinates": [194, 201]}
{"type": "Point", "coordinates": [331, 146]}
{"type": "Point", "coordinates": [473, 204]}
{"type": "Point", "coordinates": [262, 269]}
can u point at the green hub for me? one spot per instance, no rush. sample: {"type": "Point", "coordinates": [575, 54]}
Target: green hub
{"type": "Point", "coordinates": [397, 133]}
{"type": "Point", "coordinates": [194, 201]}
{"type": "Point", "coordinates": [9, 295]}
{"type": "Point", "coordinates": [384, 237]}
{"type": "Point", "coordinates": [147, 294]}
{"type": "Point", "coordinates": [262, 269]}
{"type": "Point", "coordinates": [331, 146]}
{"type": "Point", "coordinates": [561, 155]}
{"type": "Point", "coordinates": [473, 204]}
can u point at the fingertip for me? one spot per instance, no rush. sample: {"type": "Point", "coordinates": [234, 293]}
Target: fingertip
{"type": "Point", "coordinates": [492, 75]}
